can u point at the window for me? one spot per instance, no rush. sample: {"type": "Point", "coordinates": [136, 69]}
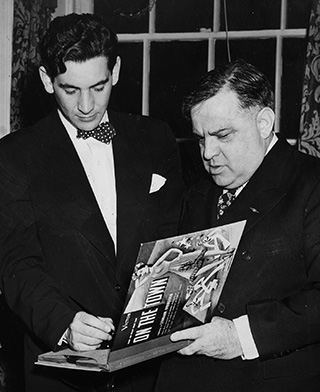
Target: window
{"type": "Point", "coordinates": [167, 45]}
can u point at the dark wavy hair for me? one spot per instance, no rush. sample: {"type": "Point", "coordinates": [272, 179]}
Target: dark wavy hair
{"type": "Point", "coordinates": [76, 38]}
{"type": "Point", "coordinates": [251, 86]}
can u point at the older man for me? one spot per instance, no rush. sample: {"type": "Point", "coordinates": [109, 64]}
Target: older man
{"type": "Point", "coordinates": [264, 335]}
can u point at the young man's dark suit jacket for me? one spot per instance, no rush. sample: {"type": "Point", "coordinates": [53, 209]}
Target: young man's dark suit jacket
{"type": "Point", "coordinates": [274, 279]}
{"type": "Point", "coordinates": [54, 244]}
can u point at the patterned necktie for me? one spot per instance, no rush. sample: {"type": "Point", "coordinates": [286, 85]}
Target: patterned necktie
{"type": "Point", "coordinates": [225, 201]}
{"type": "Point", "coordinates": [104, 132]}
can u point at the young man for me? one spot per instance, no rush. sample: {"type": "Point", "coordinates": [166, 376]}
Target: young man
{"type": "Point", "coordinates": [76, 202]}
{"type": "Point", "coordinates": [264, 335]}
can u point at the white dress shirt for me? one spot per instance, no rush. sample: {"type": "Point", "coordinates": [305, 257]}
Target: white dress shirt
{"type": "Point", "coordinates": [97, 160]}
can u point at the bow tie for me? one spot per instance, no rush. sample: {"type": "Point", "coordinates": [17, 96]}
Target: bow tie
{"type": "Point", "coordinates": [104, 132]}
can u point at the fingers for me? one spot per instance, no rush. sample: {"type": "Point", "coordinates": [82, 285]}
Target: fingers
{"type": "Point", "coordinates": [189, 333]}
{"type": "Point", "coordinates": [87, 332]}
{"type": "Point", "coordinates": [190, 349]}
{"type": "Point", "coordinates": [109, 322]}
{"type": "Point", "coordinates": [217, 339]}
{"type": "Point", "coordinates": [198, 336]}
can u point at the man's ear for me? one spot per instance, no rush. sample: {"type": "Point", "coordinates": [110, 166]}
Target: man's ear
{"type": "Point", "coordinates": [116, 71]}
{"type": "Point", "coordinates": [265, 122]}
{"type": "Point", "coordinates": [46, 80]}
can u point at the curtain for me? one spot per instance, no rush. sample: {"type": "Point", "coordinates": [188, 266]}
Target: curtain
{"type": "Point", "coordinates": [31, 19]}
{"type": "Point", "coordinates": [309, 137]}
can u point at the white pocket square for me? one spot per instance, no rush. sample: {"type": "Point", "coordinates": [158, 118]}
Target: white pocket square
{"type": "Point", "coordinates": [157, 182]}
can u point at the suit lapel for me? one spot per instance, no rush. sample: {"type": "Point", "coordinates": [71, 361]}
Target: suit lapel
{"type": "Point", "coordinates": [69, 185]}
{"type": "Point", "coordinates": [252, 206]}
{"type": "Point", "coordinates": [263, 192]}
{"type": "Point", "coordinates": [133, 177]}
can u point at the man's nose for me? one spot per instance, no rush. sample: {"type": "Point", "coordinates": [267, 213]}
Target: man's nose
{"type": "Point", "coordinates": [86, 102]}
{"type": "Point", "coordinates": [210, 149]}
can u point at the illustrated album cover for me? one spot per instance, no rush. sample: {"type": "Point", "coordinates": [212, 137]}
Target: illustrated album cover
{"type": "Point", "coordinates": [176, 284]}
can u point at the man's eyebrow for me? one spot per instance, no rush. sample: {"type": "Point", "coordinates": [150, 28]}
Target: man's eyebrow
{"type": "Point", "coordinates": [219, 130]}
{"type": "Point", "coordinates": [67, 85]}
{"type": "Point", "coordinates": [100, 83]}
{"type": "Point", "coordinates": [210, 133]}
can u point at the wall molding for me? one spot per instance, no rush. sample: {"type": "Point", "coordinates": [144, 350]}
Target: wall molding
{"type": "Point", "coordinates": [66, 7]}
{"type": "Point", "coordinates": [6, 26]}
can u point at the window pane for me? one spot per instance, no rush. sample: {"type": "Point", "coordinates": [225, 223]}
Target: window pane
{"type": "Point", "coordinates": [125, 16]}
{"type": "Point", "coordinates": [127, 94]}
{"type": "Point", "coordinates": [298, 13]}
{"type": "Point", "coordinates": [174, 68]}
{"type": "Point", "coordinates": [294, 51]}
{"type": "Point", "coordinates": [251, 14]}
{"type": "Point", "coordinates": [183, 15]}
{"type": "Point", "coordinates": [260, 53]}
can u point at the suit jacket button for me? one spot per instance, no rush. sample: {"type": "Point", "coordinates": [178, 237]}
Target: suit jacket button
{"type": "Point", "coordinates": [245, 255]}
{"type": "Point", "coordinates": [117, 287]}
{"type": "Point", "coordinates": [221, 307]}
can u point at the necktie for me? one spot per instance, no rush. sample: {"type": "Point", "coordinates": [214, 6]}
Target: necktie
{"type": "Point", "coordinates": [104, 132]}
{"type": "Point", "coordinates": [225, 201]}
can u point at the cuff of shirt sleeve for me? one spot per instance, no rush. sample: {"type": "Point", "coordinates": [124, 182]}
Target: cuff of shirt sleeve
{"type": "Point", "coordinates": [248, 345]}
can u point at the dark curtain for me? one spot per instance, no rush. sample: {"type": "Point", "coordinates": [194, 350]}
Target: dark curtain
{"type": "Point", "coordinates": [31, 18]}
{"type": "Point", "coordinates": [309, 139]}
{"type": "Point", "coordinates": [28, 100]}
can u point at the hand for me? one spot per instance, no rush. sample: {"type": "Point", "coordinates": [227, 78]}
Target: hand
{"type": "Point", "coordinates": [217, 339]}
{"type": "Point", "coordinates": [87, 332]}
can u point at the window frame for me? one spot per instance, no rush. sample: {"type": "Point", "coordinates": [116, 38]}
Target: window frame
{"type": "Point", "coordinates": [211, 38]}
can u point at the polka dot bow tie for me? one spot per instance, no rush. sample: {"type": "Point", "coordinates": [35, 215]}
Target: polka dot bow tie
{"type": "Point", "coordinates": [225, 201]}
{"type": "Point", "coordinates": [104, 132]}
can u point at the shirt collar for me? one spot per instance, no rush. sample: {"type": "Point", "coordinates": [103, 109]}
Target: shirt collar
{"type": "Point", "coordinates": [273, 142]}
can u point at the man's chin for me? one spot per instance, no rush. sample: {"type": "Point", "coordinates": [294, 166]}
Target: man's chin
{"type": "Point", "coordinates": [86, 126]}
{"type": "Point", "coordinates": [220, 181]}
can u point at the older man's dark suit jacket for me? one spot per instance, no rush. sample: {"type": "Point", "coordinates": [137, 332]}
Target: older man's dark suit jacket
{"type": "Point", "coordinates": [274, 279]}
{"type": "Point", "coordinates": [54, 244]}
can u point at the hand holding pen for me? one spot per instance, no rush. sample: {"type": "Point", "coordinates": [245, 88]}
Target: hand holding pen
{"type": "Point", "coordinates": [87, 331]}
